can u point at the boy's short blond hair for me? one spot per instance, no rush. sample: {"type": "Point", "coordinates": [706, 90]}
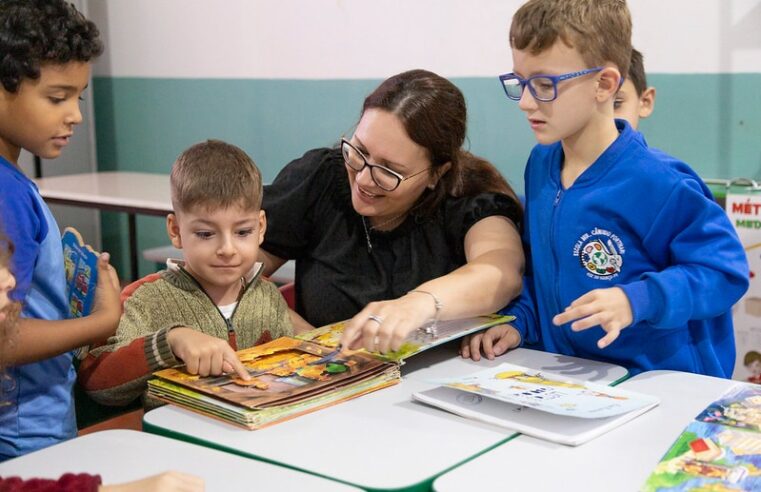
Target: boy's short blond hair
{"type": "Point", "coordinates": [214, 175]}
{"type": "Point", "coordinates": [600, 30]}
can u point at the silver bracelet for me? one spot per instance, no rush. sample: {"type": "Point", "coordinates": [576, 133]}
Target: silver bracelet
{"type": "Point", "coordinates": [431, 328]}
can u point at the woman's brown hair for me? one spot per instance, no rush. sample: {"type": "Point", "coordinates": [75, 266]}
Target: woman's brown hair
{"type": "Point", "coordinates": [433, 112]}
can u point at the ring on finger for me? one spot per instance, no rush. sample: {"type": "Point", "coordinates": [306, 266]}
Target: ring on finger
{"type": "Point", "coordinates": [376, 318]}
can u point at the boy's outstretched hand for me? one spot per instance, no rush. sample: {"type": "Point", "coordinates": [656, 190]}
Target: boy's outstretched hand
{"type": "Point", "coordinates": [204, 354]}
{"type": "Point", "coordinates": [608, 308]}
{"type": "Point", "coordinates": [495, 341]}
{"type": "Point", "coordinates": [108, 307]}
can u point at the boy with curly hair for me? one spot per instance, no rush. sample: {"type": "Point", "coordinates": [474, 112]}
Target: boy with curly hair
{"type": "Point", "coordinates": [46, 47]}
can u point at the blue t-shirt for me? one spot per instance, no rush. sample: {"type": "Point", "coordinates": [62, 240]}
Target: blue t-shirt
{"type": "Point", "coordinates": [39, 407]}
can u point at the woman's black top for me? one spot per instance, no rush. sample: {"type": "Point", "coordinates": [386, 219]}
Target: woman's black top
{"type": "Point", "coordinates": [310, 219]}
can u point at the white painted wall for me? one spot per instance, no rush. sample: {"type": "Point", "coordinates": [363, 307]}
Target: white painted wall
{"type": "Point", "coordinates": [333, 39]}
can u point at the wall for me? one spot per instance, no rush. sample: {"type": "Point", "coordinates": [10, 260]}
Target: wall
{"type": "Point", "coordinates": [278, 77]}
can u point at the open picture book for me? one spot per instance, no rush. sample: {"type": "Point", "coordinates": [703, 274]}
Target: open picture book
{"type": "Point", "coordinates": [719, 450]}
{"type": "Point", "coordinates": [295, 375]}
{"type": "Point", "coordinates": [544, 405]}
{"type": "Point", "coordinates": [418, 340]}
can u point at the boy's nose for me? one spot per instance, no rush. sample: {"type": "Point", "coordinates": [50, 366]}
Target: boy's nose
{"type": "Point", "coordinates": [226, 248]}
{"type": "Point", "coordinates": [527, 101]}
{"type": "Point", "coordinates": [75, 116]}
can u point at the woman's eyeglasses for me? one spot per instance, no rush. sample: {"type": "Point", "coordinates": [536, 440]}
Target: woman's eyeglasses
{"type": "Point", "coordinates": [385, 178]}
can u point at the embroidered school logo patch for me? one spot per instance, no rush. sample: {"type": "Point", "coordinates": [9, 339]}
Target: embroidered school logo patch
{"type": "Point", "coordinates": [600, 253]}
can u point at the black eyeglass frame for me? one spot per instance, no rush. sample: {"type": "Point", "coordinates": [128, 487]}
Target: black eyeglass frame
{"type": "Point", "coordinates": [366, 163]}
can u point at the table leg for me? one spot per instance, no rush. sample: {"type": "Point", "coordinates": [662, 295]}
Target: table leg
{"type": "Point", "coordinates": [133, 246]}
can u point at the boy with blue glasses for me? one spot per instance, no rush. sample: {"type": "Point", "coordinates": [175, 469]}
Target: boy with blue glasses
{"type": "Point", "coordinates": [631, 263]}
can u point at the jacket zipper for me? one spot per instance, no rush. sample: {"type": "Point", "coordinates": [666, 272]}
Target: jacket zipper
{"type": "Point", "coordinates": [228, 321]}
{"type": "Point", "coordinates": [555, 263]}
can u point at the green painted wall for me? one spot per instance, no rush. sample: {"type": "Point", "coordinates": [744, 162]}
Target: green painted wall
{"type": "Point", "coordinates": [712, 121]}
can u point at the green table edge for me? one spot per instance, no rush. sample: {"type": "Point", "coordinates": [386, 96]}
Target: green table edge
{"type": "Point", "coordinates": [425, 485]}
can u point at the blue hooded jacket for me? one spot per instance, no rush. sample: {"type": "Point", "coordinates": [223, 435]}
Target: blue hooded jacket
{"type": "Point", "coordinates": [645, 222]}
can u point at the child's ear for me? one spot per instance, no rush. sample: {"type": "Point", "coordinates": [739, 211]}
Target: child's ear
{"type": "Point", "coordinates": [262, 226]}
{"type": "Point", "coordinates": [647, 102]}
{"type": "Point", "coordinates": [173, 230]}
{"type": "Point", "coordinates": [608, 83]}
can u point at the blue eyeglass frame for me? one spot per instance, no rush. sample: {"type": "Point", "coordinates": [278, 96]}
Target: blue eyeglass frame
{"type": "Point", "coordinates": [554, 78]}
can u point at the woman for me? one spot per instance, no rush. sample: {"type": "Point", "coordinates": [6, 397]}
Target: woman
{"type": "Point", "coordinates": [399, 211]}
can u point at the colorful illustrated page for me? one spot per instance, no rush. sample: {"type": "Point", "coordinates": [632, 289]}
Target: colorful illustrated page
{"type": "Point", "coordinates": [550, 392]}
{"type": "Point", "coordinates": [719, 451]}
{"type": "Point", "coordinates": [709, 457]}
{"type": "Point", "coordinates": [417, 341]}
{"type": "Point", "coordinates": [740, 407]}
{"type": "Point", "coordinates": [282, 371]}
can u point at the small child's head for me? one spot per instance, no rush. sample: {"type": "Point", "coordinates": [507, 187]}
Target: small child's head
{"type": "Point", "coordinates": [9, 310]}
{"type": "Point", "coordinates": [571, 54]}
{"type": "Point", "coordinates": [635, 99]}
{"type": "Point", "coordinates": [752, 362]}
{"type": "Point", "coordinates": [7, 280]}
{"type": "Point", "coordinates": [217, 221]}
{"type": "Point", "coordinates": [46, 47]}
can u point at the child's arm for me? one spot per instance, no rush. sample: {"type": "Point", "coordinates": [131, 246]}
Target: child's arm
{"type": "Point", "coordinates": [608, 308]}
{"type": "Point", "coordinates": [116, 374]}
{"type": "Point", "coordinates": [41, 339]}
{"type": "Point", "coordinates": [170, 481]}
{"type": "Point", "coordinates": [495, 341]}
{"type": "Point", "coordinates": [24, 224]}
{"type": "Point", "coordinates": [204, 354]}
{"type": "Point", "coordinates": [705, 272]}
{"type": "Point", "coordinates": [300, 325]}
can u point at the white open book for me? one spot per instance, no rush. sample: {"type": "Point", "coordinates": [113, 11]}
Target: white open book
{"type": "Point", "coordinates": [540, 404]}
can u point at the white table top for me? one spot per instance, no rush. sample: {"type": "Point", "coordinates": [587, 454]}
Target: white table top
{"type": "Point", "coordinates": [145, 193]}
{"type": "Point", "coordinates": [124, 455]}
{"type": "Point", "coordinates": [382, 440]}
{"type": "Point", "coordinates": [621, 459]}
